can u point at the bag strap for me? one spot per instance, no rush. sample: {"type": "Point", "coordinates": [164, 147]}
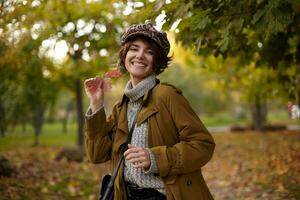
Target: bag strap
{"type": "Point", "coordinates": [121, 158]}
{"type": "Point", "coordinates": [131, 130]}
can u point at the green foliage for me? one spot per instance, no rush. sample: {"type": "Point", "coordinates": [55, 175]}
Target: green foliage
{"type": "Point", "coordinates": [261, 36]}
{"type": "Point", "coordinates": [243, 29]}
{"type": "Point", "coordinates": [192, 83]}
{"type": "Point", "coordinates": [220, 24]}
{"type": "Point", "coordinates": [33, 78]}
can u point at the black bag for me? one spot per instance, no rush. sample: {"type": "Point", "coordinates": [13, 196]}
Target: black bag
{"type": "Point", "coordinates": [104, 188]}
{"type": "Point", "coordinates": [107, 185]}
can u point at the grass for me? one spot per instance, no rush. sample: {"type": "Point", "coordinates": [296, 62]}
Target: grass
{"type": "Point", "coordinates": [225, 119]}
{"type": "Point", "coordinates": [51, 135]}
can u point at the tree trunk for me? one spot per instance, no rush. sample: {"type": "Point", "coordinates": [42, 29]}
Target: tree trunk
{"type": "Point", "coordinates": [2, 120]}
{"type": "Point", "coordinates": [259, 114]}
{"type": "Point", "coordinates": [80, 118]}
{"type": "Point", "coordinates": [38, 120]}
{"type": "Point", "coordinates": [66, 117]}
{"type": "Point", "coordinates": [24, 123]}
{"type": "Point", "coordinates": [298, 99]}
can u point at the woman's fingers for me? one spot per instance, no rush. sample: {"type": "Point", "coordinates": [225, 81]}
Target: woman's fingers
{"type": "Point", "coordinates": [134, 155]}
{"type": "Point", "coordinates": [93, 81]}
{"type": "Point", "coordinates": [94, 91]}
{"type": "Point", "coordinates": [138, 157]}
{"type": "Point", "coordinates": [93, 84]}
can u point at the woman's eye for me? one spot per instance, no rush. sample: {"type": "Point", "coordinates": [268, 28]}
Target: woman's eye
{"type": "Point", "coordinates": [133, 49]}
{"type": "Point", "coordinates": [150, 52]}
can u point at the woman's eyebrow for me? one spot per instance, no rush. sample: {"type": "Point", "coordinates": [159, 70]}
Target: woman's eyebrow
{"type": "Point", "coordinates": [137, 45]}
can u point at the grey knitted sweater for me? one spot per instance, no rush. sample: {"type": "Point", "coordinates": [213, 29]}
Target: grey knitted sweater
{"type": "Point", "coordinates": [138, 176]}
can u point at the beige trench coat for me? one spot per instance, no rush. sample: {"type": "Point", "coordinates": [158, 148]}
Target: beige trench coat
{"type": "Point", "coordinates": [176, 136]}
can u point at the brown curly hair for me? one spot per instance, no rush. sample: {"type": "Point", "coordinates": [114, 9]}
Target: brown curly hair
{"type": "Point", "coordinates": [160, 59]}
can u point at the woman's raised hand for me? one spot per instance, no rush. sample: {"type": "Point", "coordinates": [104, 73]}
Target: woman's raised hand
{"type": "Point", "coordinates": [95, 92]}
{"type": "Point", "coordinates": [95, 88]}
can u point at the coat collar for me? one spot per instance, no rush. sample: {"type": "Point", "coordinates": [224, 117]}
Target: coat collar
{"type": "Point", "coordinates": [145, 97]}
{"type": "Point", "coordinates": [148, 108]}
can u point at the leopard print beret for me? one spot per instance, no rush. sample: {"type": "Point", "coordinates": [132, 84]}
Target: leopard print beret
{"type": "Point", "coordinates": [147, 30]}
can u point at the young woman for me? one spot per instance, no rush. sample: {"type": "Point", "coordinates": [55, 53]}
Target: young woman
{"type": "Point", "coordinates": [169, 144]}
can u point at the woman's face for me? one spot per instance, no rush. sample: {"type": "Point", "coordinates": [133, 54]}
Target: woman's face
{"type": "Point", "coordinates": [139, 60]}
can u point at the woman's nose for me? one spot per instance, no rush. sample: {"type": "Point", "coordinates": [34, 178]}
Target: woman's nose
{"type": "Point", "coordinates": [140, 54]}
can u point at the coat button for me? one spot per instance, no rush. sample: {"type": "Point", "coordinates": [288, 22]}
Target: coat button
{"type": "Point", "coordinates": [189, 182]}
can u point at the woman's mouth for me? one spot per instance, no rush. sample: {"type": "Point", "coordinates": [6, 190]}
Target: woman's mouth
{"type": "Point", "coordinates": [139, 64]}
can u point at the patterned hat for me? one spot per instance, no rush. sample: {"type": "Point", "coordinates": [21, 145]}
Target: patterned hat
{"type": "Point", "coordinates": [147, 30]}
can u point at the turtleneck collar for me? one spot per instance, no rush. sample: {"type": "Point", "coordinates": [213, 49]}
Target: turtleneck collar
{"type": "Point", "coordinates": [136, 92]}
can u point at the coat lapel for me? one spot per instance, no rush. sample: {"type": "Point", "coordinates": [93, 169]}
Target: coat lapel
{"type": "Point", "coordinates": [122, 128]}
{"type": "Point", "coordinates": [145, 113]}
{"type": "Point", "coordinates": [148, 108]}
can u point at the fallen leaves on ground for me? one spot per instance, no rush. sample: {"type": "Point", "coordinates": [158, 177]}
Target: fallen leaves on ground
{"type": "Point", "coordinates": [245, 166]}
{"type": "Point", "coordinates": [262, 166]}
{"type": "Point", "coordinates": [40, 176]}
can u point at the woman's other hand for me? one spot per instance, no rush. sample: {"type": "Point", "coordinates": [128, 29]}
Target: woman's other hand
{"type": "Point", "coordinates": [138, 157]}
{"type": "Point", "coordinates": [94, 90]}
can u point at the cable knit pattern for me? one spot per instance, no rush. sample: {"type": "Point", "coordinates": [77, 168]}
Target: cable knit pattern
{"type": "Point", "coordinates": [140, 138]}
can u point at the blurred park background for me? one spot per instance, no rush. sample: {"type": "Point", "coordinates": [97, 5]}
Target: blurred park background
{"type": "Point", "coordinates": [237, 62]}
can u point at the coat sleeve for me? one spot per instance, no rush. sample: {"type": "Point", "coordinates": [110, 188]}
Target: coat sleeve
{"type": "Point", "coordinates": [98, 136]}
{"type": "Point", "coordinates": [196, 145]}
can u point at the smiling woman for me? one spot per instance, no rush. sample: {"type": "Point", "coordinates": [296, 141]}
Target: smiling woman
{"type": "Point", "coordinates": [139, 61]}
{"type": "Point", "coordinates": [153, 127]}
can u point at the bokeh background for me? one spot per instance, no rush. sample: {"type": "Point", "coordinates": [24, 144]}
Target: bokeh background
{"type": "Point", "coordinates": [237, 63]}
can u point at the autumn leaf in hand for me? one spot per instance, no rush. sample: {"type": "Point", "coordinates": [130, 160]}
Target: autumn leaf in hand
{"type": "Point", "coordinates": [113, 73]}
{"type": "Point", "coordinates": [106, 83]}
